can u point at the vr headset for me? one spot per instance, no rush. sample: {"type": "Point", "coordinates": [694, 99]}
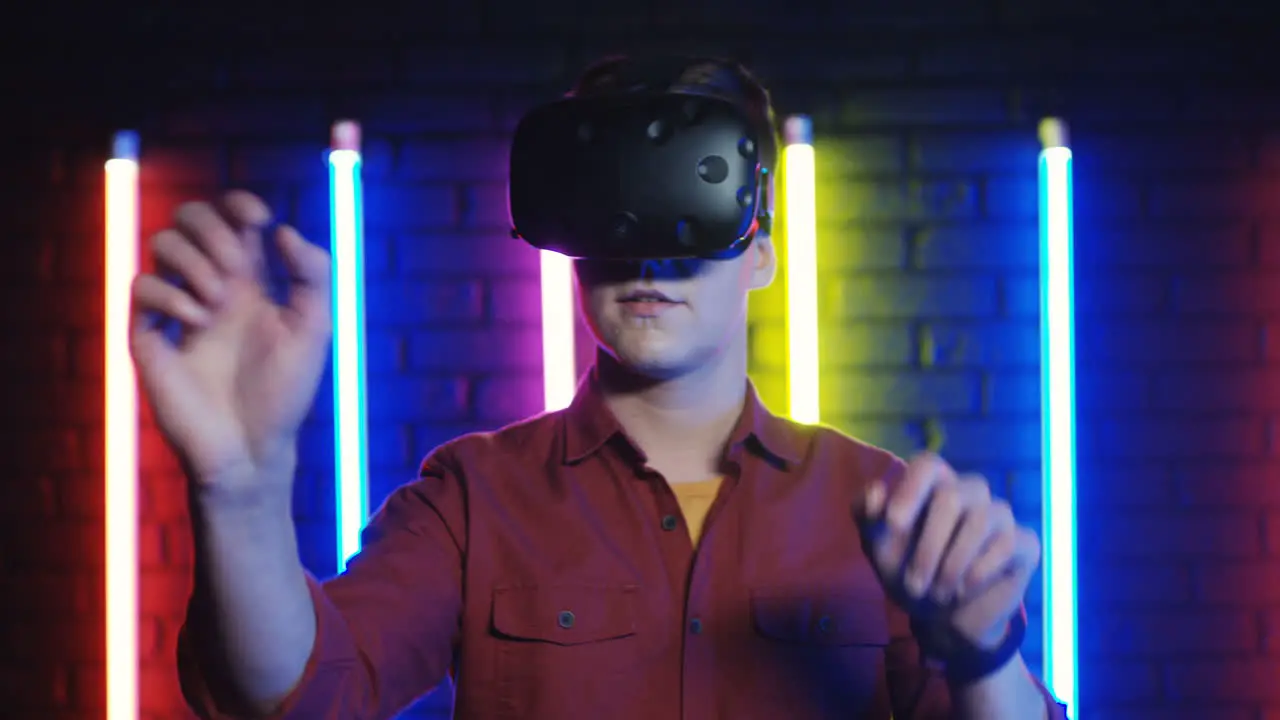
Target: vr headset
{"type": "Point", "coordinates": [639, 174]}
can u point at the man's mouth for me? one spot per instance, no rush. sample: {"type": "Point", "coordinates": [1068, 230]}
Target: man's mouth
{"type": "Point", "coordinates": [647, 296]}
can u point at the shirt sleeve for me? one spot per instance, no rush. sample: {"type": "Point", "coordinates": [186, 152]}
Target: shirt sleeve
{"type": "Point", "coordinates": [386, 629]}
{"type": "Point", "coordinates": [918, 687]}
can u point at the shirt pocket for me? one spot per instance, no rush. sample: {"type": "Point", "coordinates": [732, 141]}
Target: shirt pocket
{"type": "Point", "coordinates": [564, 649]}
{"type": "Point", "coordinates": [820, 654]}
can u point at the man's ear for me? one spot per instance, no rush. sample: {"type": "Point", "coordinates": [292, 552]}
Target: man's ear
{"type": "Point", "coordinates": [764, 261]}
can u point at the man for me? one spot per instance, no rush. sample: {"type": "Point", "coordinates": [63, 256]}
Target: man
{"type": "Point", "coordinates": [664, 548]}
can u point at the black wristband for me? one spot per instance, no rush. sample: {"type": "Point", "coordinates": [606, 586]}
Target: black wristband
{"type": "Point", "coordinates": [965, 662]}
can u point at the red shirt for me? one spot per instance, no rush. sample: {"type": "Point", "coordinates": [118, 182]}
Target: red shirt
{"type": "Point", "coordinates": [551, 571]}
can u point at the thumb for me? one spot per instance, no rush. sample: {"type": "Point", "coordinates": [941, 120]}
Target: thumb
{"type": "Point", "coordinates": [868, 508]}
{"type": "Point", "coordinates": [152, 351]}
{"type": "Point", "coordinates": [310, 276]}
{"type": "Point", "coordinates": [868, 513]}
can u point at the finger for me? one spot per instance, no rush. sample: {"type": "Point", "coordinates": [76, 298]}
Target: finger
{"type": "Point", "coordinates": [877, 494]}
{"type": "Point", "coordinates": [903, 506]}
{"type": "Point", "coordinates": [980, 526]}
{"type": "Point", "coordinates": [942, 518]}
{"type": "Point", "coordinates": [246, 209]}
{"type": "Point", "coordinates": [215, 236]}
{"type": "Point", "coordinates": [311, 279]}
{"type": "Point", "coordinates": [983, 619]}
{"type": "Point", "coordinates": [868, 508]}
{"type": "Point", "coordinates": [249, 214]}
{"type": "Point", "coordinates": [151, 294]}
{"type": "Point", "coordinates": [175, 253]}
{"type": "Point", "coordinates": [147, 342]}
{"type": "Point", "coordinates": [908, 499]}
{"type": "Point", "coordinates": [1011, 553]}
{"type": "Point", "coordinates": [893, 537]}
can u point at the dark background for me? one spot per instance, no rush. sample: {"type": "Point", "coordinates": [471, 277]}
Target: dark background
{"type": "Point", "coordinates": [925, 114]}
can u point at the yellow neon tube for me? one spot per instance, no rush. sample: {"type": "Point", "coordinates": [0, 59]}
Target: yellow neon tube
{"type": "Point", "coordinates": [800, 214]}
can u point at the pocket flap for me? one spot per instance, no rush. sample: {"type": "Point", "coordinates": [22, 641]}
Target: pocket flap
{"type": "Point", "coordinates": [565, 614]}
{"type": "Point", "coordinates": [831, 619]}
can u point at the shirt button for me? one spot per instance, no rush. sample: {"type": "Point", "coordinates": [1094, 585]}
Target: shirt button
{"type": "Point", "coordinates": [669, 522]}
{"type": "Point", "coordinates": [565, 619]}
{"type": "Point", "coordinates": [695, 626]}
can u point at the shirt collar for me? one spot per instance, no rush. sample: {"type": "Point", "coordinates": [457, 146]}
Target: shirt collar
{"type": "Point", "coordinates": [589, 425]}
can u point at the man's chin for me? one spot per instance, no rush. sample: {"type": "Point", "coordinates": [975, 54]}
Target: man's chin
{"type": "Point", "coordinates": [653, 364]}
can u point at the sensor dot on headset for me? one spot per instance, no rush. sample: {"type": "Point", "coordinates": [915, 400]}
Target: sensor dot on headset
{"type": "Point", "coordinates": [658, 131]}
{"type": "Point", "coordinates": [713, 169]}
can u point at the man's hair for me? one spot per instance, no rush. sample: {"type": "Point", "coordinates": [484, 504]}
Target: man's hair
{"type": "Point", "coordinates": [715, 77]}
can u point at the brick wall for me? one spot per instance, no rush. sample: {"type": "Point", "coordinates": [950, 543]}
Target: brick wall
{"type": "Point", "coordinates": [926, 120]}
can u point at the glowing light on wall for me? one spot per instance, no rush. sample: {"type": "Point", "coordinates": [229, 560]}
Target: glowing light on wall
{"type": "Point", "coordinates": [121, 402]}
{"type": "Point", "coordinates": [1057, 362]}
{"type": "Point", "coordinates": [346, 203]}
{"type": "Point", "coordinates": [559, 373]}
{"type": "Point", "coordinates": [801, 246]}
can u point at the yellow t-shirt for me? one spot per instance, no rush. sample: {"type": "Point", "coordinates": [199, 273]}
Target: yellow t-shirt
{"type": "Point", "coordinates": [695, 500]}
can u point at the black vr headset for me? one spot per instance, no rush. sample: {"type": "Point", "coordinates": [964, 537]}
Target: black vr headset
{"type": "Point", "coordinates": [643, 172]}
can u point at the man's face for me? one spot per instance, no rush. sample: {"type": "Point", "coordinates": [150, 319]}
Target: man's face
{"type": "Point", "coordinates": [666, 318]}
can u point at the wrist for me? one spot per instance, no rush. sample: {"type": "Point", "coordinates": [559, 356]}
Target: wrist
{"type": "Point", "coordinates": [968, 659]}
{"type": "Point", "coordinates": [236, 525]}
{"type": "Point", "coordinates": [972, 662]}
{"type": "Point", "coordinates": [1008, 692]}
{"type": "Point", "coordinates": [263, 479]}
{"type": "Point", "coordinates": [1015, 664]}
{"type": "Point", "coordinates": [244, 489]}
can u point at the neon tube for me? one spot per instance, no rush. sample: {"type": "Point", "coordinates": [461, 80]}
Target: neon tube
{"type": "Point", "coordinates": [121, 402]}
{"type": "Point", "coordinates": [559, 371]}
{"type": "Point", "coordinates": [801, 268]}
{"type": "Point", "coordinates": [1058, 427]}
{"type": "Point", "coordinates": [346, 205]}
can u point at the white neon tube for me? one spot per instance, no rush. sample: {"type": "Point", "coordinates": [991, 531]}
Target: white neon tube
{"type": "Point", "coordinates": [559, 371]}
{"type": "Point", "coordinates": [1057, 361]}
{"type": "Point", "coordinates": [121, 402]}
{"type": "Point", "coordinates": [346, 204]}
{"type": "Point", "coordinates": [802, 269]}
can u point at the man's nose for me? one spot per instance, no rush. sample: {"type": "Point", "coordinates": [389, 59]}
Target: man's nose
{"type": "Point", "coordinates": [652, 269]}
{"type": "Point", "coordinates": [669, 268]}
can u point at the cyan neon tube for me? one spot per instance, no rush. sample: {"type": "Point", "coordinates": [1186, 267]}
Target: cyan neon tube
{"type": "Point", "coordinates": [346, 204]}
{"type": "Point", "coordinates": [1057, 363]}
